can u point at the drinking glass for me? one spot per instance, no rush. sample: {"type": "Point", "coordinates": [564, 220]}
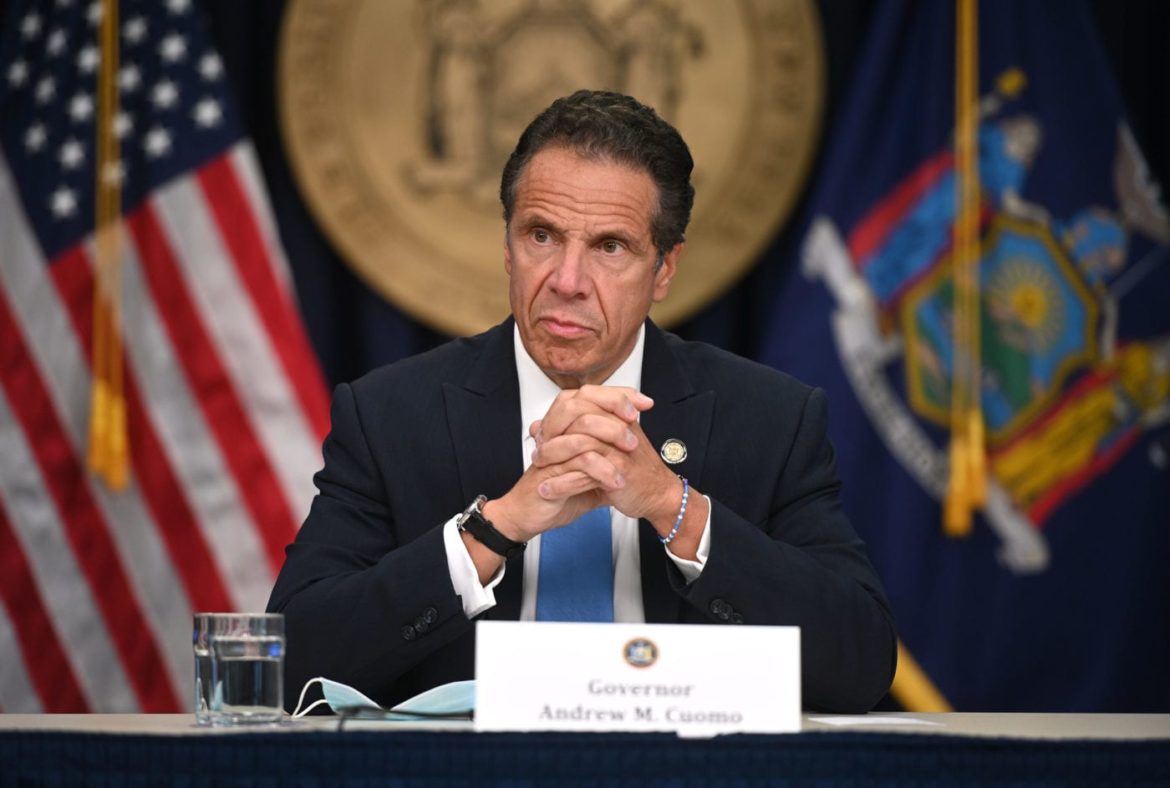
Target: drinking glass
{"type": "Point", "coordinates": [239, 668]}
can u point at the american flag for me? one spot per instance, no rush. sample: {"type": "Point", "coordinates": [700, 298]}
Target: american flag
{"type": "Point", "coordinates": [226, 406]}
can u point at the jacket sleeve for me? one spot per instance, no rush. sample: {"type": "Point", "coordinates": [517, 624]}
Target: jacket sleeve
{"type": "Point", "coordinates": [361, 606]}
{"type": "Point", "coordinates": [804, 565]}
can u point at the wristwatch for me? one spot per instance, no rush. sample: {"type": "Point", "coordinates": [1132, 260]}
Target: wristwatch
{"type": "Point", "coordinates": [473, 522]}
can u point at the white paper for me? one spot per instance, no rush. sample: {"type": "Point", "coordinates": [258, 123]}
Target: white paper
{"type": "Point", "coordinates": [695, 680]}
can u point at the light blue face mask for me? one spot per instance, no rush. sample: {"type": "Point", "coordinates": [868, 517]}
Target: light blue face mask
{"type": "Point", "coordinates": [457, 697]}
{"type": "Point", "coordinates": [339, 697]}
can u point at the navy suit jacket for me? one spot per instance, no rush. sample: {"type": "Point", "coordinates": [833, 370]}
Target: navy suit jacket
{"type": "Point", "coordinates": [365, 588]}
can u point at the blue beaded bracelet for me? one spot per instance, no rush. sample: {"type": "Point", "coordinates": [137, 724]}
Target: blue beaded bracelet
{"type": "Point", "coordinates": [681, 512]}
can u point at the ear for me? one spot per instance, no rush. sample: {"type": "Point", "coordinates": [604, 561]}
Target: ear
{"type": "Point", "coordinates": [666, 272]}
{"type": "Point", "coordinates": [507, 253]}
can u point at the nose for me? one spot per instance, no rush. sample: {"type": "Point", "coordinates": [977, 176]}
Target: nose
{"type": "Point", "coordinates": [569, 279]}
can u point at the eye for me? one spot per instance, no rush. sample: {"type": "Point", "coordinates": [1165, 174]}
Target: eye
{"type": "Point", "coordinates": [611, 246]}
{"type": "Point", "coordinates": [541, 236]}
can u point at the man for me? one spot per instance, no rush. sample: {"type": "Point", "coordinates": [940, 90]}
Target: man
{"type": "Point", "coordinates": [650, 479]}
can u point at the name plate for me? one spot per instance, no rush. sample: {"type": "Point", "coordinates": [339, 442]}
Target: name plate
{"type": "Point", "coordinates": [695, 680]}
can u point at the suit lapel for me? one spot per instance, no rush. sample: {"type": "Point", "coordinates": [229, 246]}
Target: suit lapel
{"type": "Point", "coordinates": [682, 413]}
{"type": "Point", "coordinates": [483, 415]}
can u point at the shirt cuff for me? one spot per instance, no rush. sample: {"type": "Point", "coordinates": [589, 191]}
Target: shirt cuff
{"type": "Point", "coordinates": [464, 576]}
{"type": "Point", "coordinates": [692, 569]}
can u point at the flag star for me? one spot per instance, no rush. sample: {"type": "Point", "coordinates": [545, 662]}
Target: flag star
{"type": "Point", "coordinates": [165, 94]}
{"type": "Point", "coordinates": [63, 203]}
{"type": "Point", "coordinates": [35, 137]}
{"type": "Point", "coordinates": [81, 107]}
{"type": "Point", "coordinates": [57, 42]}
{"type": "Point", "coordinates": [129, 78]}
{"type": "Point", "coordinates": [17, 73]}
{"type": "Point", "coordinates": [207, 113]}
{"type": "Point", "coordinates": [30, 26]}
{"type": "Point", "coordinates": [88, 59]}
{"type": "Point", "coordinates": [173, 48]}
{"type": "Point", "coordinates": [157, 142]}
{"type": "Point", "coordinates": [123, 124]}
{"type": "Point", "coordinates": [72, 154]}
{"type": "Point", "coordinates": [46, 89]}
{"type": "Point", "coordinates": [178, 6]}
{"type": "Point", "coordinates": [94, 13]}
{"type": "Point", "coordinates": [134, 30]}
{"type": "Point", "coordinates": [210, 66]}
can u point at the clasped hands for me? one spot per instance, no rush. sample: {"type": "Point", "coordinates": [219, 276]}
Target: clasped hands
{"type": "Point", "coordinates": [590, 452]}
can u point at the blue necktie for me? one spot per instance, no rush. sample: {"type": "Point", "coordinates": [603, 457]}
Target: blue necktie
{"type": "Point", "coordinates": [576, 570]}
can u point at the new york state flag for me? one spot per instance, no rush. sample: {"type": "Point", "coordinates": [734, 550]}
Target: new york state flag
{"type": "Point", "coordinates": [1059, 598]}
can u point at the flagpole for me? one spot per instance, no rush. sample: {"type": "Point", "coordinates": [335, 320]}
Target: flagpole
{"type": "Point", "coordinates": [966, 487]}
{"type": "Point", "coordinates": [108, 455]}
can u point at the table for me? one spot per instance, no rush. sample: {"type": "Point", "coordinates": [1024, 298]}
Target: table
{"type": "Point", "coordinates": [902, 748]}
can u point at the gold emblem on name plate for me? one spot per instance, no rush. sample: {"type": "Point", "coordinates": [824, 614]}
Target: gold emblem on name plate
{"type": "Point", "coordinates": [640, 652]}
{"type": "Point", "coordinates": [674, 451]}
{"type": "Point", "coordinates": [398, 117]}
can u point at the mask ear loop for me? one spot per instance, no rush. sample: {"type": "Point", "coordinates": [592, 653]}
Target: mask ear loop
{"type": "Point", "coordinates": [297, 712]}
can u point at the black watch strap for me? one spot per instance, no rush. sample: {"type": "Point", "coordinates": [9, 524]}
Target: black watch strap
{"type": "Point", "coordinates": [473, 521]}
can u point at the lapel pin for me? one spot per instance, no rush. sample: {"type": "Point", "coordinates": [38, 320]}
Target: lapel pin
{"type": "Point", "coordinates": [673, 451]}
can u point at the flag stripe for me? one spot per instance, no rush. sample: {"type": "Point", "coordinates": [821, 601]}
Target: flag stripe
{"type": "Point", "coordinates": [37, 527]}
{"type": "Point", "coordinates": [40, 654]}
{"type": "Point", "coordinates": [59, 356]}
{"type": "Point", "coordinates": [72, 275]}
{"type": "Point", "coordinates": [240, 232]}
{"type": "Point", "coordinates": [85, 527]}
{"type": "Point", "coordinates": [189, 444]}
{"type": "Point", "coordinates": [240, 339]}
{"type": "Point", "coordinates": [247, 168]}
{"type": "Point", "coordinates": [213, 389]}
{"type": "Point", "coordinates": [17, 691]}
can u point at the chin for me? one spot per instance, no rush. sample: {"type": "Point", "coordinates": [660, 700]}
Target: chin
{"type": "Point", "coordinates": [558, 366]}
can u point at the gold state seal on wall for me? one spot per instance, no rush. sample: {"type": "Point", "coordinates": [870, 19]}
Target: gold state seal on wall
{"type": "Point", "coordinates": [398, 117]}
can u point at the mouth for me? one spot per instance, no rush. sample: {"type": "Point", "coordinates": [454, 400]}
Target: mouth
{"type": "Point", "coordinates": [564, 328]}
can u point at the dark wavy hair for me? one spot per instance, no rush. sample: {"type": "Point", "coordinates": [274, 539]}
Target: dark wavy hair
{"type": "Point", "coordinates": [599, 124]}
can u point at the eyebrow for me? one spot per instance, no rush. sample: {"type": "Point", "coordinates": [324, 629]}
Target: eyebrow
{"type": "Point", "coordinates": [534, 220]}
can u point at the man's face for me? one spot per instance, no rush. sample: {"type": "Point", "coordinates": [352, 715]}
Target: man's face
{"type": "Point", "coordinates": [580, 259]}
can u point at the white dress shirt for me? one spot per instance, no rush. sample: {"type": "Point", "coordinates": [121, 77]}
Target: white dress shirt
{"type": "Point", "coordinates": [537, 393]}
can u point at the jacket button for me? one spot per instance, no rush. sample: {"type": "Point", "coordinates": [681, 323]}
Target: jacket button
{"type": "Point", "coordinates": [420, 625]}
{"type": "Point", "coordinates": [408, 633]}
{"type": "Point", "coordinates": [721, 609]}
{"type": "Point", "coordinates": [430, 615]}
{"type": "Point", "coordinates": [736, 618]}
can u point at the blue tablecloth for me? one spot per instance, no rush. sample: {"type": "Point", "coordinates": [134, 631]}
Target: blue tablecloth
{"type": "Point", "coordinates": [364, 758]}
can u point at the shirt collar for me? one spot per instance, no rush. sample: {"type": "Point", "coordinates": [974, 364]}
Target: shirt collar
{"type": "Point", "coordinates": [537, 391]}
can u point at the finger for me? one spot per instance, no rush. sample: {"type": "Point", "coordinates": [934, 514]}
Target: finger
{"type": "Point", "coordinates": [567, 447]}
{"type": "Point", "coordinates": [602, 472]}
{"type": "Point", "coordinates": [566, 409]}
{"type": "Point", "coordinates": [624, 403]}
{"type": "Point", "coordinates": [607, 429]}
{"type": "Point", "coordinates": [566, 485]}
